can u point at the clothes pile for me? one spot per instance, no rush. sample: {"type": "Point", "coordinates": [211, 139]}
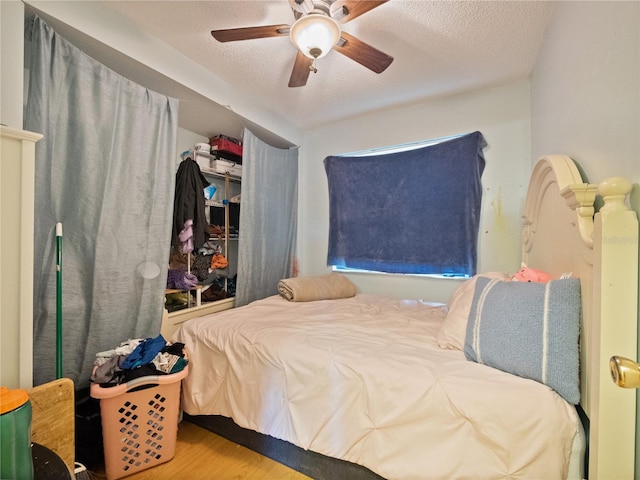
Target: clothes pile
{"type": "Point", "coordinates": [181, 280]}
{"type": "Point", "coordinates": [138, 358]}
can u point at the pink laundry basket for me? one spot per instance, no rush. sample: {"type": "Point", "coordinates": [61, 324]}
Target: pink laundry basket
{"type": "Point", "coordinates": [139, 422]}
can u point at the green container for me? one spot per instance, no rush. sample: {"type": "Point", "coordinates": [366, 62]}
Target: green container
{"type": "Point", "coordinates": [16, 462]}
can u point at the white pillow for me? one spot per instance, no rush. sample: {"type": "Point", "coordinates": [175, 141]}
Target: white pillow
{"type": "Point", "coordinates": [454, 327]}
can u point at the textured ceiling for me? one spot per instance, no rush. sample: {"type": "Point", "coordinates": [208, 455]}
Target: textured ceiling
{"type": "Point", "coordinates": [439, 48]}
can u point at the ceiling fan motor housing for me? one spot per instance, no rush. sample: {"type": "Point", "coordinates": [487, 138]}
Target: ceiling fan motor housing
{"type": "Point", "coordinates": [307, 6]}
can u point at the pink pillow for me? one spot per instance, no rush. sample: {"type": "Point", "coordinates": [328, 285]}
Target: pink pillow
{"type": "Point", "coordinates": [528, 274]}
{"type": "Point", "coordinates": [454, 327]}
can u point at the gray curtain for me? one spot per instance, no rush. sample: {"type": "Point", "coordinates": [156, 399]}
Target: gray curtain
{"type": "Point", "coordinates": [268, 218]}
{"type": "Point", "coordinates": [104, 169]}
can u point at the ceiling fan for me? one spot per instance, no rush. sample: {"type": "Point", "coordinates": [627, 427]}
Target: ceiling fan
{"type": "Point", "coordinates": [315, 32]}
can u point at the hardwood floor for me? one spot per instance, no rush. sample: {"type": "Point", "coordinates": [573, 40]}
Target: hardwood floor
{"type": "Point", "coordinates": [202, 455]}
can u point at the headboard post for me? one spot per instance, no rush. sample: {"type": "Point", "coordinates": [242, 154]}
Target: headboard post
{"type": "Point", "coordinates": [612, 410]}
{"type": "Point", "coordinates": [561, 234]}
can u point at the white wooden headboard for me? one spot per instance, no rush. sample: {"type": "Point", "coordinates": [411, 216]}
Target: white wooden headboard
{"type": "Point", "coordinates": [562, 234]}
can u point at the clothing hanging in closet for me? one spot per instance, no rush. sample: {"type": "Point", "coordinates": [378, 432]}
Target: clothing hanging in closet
{"type": "Point", "coordinates": [189, 202]}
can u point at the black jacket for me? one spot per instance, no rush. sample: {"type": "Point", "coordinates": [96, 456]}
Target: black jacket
{"type": "Point", "coordinates": [189, 203]}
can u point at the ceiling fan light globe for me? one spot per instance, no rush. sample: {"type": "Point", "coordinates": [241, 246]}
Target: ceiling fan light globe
{"type": "Point", "coordinates": [315, 33]}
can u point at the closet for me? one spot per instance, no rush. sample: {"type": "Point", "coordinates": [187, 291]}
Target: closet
{"type": "Point", "coordinates": [207, 106]}
{"type": "Point", "coordinates": [215, 263]}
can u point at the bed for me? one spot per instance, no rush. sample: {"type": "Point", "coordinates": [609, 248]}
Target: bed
{"type": "Point", "coordinates": [368, 387]}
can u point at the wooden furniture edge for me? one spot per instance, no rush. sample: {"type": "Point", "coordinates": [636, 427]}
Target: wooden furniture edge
{"type": "Point", "coordinates": [53, 418]}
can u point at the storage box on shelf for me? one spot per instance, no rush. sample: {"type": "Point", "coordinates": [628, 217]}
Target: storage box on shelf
{"type": "Point", "coordinates": [226, 146]}
{"type": "Point", "coordinates": [223, 166]}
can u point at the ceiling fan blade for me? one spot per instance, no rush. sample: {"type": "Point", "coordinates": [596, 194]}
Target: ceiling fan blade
{"type": "Point", "coordinates": [346, 10]}
{"type": "Point", "coordinates": [249, 33]}
{"type": "Point", "coordinates": [364, 54]}
{"type": "Point", "coordinates": [301, 70]}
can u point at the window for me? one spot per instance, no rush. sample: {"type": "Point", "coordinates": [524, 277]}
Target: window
{"type": "Point", "coordinates": [414, 212]}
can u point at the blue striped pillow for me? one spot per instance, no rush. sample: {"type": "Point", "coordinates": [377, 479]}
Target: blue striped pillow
{"type": "Point", "coordinates": [528, 329]}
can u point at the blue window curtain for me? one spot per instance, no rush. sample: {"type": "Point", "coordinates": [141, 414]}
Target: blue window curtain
{"type": "Point", "coordinates": [268, 218]}
{"type": "Point", "coordinates": [411, 212]}
{"type": "Point", "coordinates": [105, 170]}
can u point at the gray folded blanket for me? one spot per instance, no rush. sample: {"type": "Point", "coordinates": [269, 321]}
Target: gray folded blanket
{"type": "Point", "coordinates": [322, 287]}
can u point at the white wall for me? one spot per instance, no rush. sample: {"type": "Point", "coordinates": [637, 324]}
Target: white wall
{"type": "Point", "coordinates": [502, 114]}
{"type": "Point", "coordinates": [586, 88]}
{"type": "Point", "coordinates": [11, 62]}
{"type": "Point", "coordinates": [187, 140]}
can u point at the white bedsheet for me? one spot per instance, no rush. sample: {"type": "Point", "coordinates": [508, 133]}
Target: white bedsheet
{"type": "Point", "coordinates": [363, 379]}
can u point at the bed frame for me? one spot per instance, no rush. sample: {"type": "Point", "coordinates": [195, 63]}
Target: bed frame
{"type": "Point", "coordinates": [602, 250]}
{"type": "Point", "coordinates": [561, 234]}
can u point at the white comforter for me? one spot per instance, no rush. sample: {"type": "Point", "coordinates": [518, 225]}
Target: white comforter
{"type": "Point", "coordinates": [363, 379]}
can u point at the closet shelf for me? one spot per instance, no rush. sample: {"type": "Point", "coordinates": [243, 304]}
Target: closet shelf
{"type": "Point", "coordinates": [211, 171]}
{"type": "Point", "coordinates": [197, 288]}
{"type": "Point", "coordinates": [232, 236]}
{"type": "Point", "coordinates": [180, 290]}
{"type": "Point", "coordinates": [214, 173]}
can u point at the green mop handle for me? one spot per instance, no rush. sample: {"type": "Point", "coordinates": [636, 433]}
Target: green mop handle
{"type": "Point", "coordinates": [58, 300]}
